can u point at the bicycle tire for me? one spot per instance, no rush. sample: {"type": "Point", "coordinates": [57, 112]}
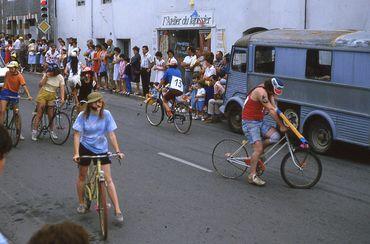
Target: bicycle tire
{"type": "Point", "coordinates": [182, 114]}
{"type": "Point", "coordinates": [87, 197]}
{"type": "Point", "coordinates": [220, 156]}
{"type": "Point", "coordinates": [304, 158]}
{"type": "Point", "coordinates": [154, 112]}
{"type": "Point", "coordinates": [60, 127]}
{"type": "Point", "coordinates": [14, 129]}
{"type": "Point", "coordinates": [102, 209]}
{"type": "Point", "coordinates": [74, 113]}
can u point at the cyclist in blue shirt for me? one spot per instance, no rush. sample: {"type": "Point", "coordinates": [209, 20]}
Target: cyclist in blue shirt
{"type": "Point", "coordinates": [89, 140]}
{"type": "Point", "coordinates": [172, 80]}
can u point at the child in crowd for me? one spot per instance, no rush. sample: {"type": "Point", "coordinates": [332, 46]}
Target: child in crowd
{"type": "Point", "coordinates": [122, 76]}
{"type": "Point", "coordinates": [200, 98]}
{"type": "Point", "coordinates": [127, 76]}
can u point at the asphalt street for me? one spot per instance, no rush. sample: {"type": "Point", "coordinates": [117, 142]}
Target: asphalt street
{"type": "Point", "coordinates": [170, 193]}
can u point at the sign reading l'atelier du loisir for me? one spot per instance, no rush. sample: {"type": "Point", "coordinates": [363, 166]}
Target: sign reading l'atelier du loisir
{"type": "Point", "coordinates": [187, 19]}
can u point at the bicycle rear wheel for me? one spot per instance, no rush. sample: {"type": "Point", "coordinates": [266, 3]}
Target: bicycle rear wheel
{"type": "Point", "coordinates": [61, 127]}
{"type": "Point", "coordinates": [305, 174]}
{"type": "Point", "coordinates": [182, 118]}
{"type": "Point", "coordinates": [227, 158]}
{"type": "Point", "coordinates": [39, 129]}
{"type": "Point", "coordinates": [102, 209]}
{"type": "Point", "coordinates": [14, 129]}
{"type": "Point", "coordinates": [154, 112]}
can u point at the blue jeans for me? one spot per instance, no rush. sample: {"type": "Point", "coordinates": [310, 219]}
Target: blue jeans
{"type": "Point", "coordinates": [255, 130]}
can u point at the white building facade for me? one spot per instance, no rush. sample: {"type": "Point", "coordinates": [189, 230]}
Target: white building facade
{"type": "Point", "coordinates": [209, 24]}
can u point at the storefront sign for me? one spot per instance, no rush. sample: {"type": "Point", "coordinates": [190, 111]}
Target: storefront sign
{"type": "Point", "coordinates": [188, 19]}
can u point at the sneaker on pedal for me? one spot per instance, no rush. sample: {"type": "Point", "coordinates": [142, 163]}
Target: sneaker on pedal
{"type": "Point", "coordinates": [34, 135]}
{"type": "Point", "coordinates": [170, 119]}
{"type": "Point", "coordinates": [53, 135]}
{"type": "Point", "coordinates": [81, 209]}
{"type": "Point", "coordinates": [254, 179]}
{"type": "Point", "coordinates": [21, 137]}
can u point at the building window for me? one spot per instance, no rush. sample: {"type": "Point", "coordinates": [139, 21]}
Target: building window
{"type": "Point", "coordinates": [239, 63]}
{"type": "Point", "coordinates": [318, 64]}
{"type": "Point", "coordinates": [264, 60]}
{"type": "Point", "coordinates": [80, 2]}
{"type": "Point", "coordinates": [106, 1]}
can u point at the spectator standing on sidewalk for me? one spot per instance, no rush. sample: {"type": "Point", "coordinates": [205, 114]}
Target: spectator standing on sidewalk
{"type": "Point", "coordinates": [208, 72]}
{"type": "Point", "coordinates": [17, 46]}
{"type": "Point", "coordinates": [197, 66]}
{"type": "Point", "coordinates": [32, 49]}
{"type": "Point", "coordinates": [159, 67]}
{"type": "Point", "coordinates": [89, 52]}
{"type": "Point", "coordinates": [171, 56]}
{"type": "Point", "coordinates": [218, 62]}
{"type": "Point", "coordinates": [127, 75]}
{"type": "Point", "coordinates": [8, 50]}
{"type": "Point", "coordinates": [110, 65]}
{"type": "Point", "coordinates": [52, 56]}
{"type": "Point", "coordinates": [147, 63]}
{"type": "Point", "coordinates": [188, 60]}
{"type": "Point", "coordinates": [103, 68]}
{"type": "Point", "coordinates": [96, 63]}
{"type": "Point", "coordinates": [135, 68]}
{"type": "Point", "coordinates": [116, 63]}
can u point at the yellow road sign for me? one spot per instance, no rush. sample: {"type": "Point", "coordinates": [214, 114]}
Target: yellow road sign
{"type": "Point", "coordinates": [44, 26]}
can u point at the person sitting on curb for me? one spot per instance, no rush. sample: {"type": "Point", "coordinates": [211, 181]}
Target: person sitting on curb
{"type": "Point", "coordinates": [217, 100]}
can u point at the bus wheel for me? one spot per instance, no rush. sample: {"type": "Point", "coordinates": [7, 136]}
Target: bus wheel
{"type": "Point", "coordinates": [320, 136]}
{"type": "Point", "coordinates": [235, 119]}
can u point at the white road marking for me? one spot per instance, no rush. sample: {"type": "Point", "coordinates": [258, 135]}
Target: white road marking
{"type": "Point", "coordinates": [184, 162]}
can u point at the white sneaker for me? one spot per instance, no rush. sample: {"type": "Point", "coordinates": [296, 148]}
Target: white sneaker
{"type": "Point", "coordinates": [34, 135]}
{"type": "Point", "coordinates": [254, 179]}
{"type": "Point", "coordinates": [21, 137]}
{"type": "Point", "coordinates": [53, 135]}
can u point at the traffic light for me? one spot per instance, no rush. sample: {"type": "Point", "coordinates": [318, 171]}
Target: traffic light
{"type": "Point", "coordinates": [44, 8]}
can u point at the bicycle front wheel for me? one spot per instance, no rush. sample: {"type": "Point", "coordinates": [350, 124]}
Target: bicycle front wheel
{"type": "Point", "coordinates": [228, 158]}
{"type": "Point", "coordinates": [61, 127]}
{"type": "Point", "coordinates": [182, 118]}
{"type": "Point", "coordinates": [154, 112]}
{"type": "Point", "coordinates": [103, 211]}
{"type": "Point", "coordinates": [74, 113]}
{"type": "Point", "coordinates": [14, 129]}
{"type": "Point", "coordinates": [302, 172]}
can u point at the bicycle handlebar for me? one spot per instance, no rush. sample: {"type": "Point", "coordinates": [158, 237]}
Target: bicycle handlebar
{"type": "Point", "coordinates": [304, 142]}
{"type": "Point", "coordinates": [109, 155]}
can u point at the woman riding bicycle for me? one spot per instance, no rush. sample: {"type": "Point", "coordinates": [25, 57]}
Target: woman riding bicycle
{"type": "Point", "coordinates": [90, 140]}
{"type": "Point", "coordinates": [86, 86]}
{"type": "Point", "coordinates": [50, 82]}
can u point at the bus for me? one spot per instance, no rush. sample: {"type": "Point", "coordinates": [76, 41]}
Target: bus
{"type": "Point", "coordinates": [327, 81]}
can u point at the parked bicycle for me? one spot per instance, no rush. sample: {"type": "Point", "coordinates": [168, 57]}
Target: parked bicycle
{"type": "Point", "coordinates": [300, 167]}
{"type": "Point", "coordinates": [13, 121]}
{"type": "Point", "coordinates": [59, 124]}
{"type": "Point", "coordinates": [95, 189]}
{"type": "Point", "coordinates": [182, 117]}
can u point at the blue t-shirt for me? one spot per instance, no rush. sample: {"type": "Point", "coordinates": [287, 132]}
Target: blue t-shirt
{"type": "Point", "coordinates": [93, 131]}
{"type": "Point", "coordinates": [167, 77]}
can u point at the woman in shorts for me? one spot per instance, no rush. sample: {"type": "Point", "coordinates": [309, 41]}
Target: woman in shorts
{"type": "Point", "coordinates": [90, 129]}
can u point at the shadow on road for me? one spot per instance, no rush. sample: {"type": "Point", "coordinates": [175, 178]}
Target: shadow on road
{"type": "Point", "coordinates": [350, 152]}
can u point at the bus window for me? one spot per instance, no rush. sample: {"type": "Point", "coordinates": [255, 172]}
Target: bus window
{"type": "Point", "coordinates": [239, 61]}
{"type": "Point", "coordinates": [264, 61]}
{"type": "Point", "coordinates": [318, 64]}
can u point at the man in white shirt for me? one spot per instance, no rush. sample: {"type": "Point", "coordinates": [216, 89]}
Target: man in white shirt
{"type": "Point", "coordinates": [147, 63]}
{"type": "Point", "coordinates": [188, 60]}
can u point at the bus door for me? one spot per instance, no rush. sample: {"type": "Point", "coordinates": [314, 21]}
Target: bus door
{"type": "Point", "coordinates": [237, 79]}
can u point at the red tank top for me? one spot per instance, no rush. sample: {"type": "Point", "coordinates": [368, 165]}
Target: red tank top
{"type": "Point", "coordinates": [253, 110]}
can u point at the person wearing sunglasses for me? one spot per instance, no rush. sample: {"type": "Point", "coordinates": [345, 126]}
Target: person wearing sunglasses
{"type": "Point", "coordinates": [260, 101]}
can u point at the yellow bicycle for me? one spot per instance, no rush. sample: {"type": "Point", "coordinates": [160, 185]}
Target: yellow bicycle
{"type": "Point", "coordinates": [95, 190]}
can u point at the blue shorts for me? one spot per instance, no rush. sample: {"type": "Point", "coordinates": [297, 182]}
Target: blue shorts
{"type": "Point", "coordinates": [200, 105]}
{"type": "Point", "coordinates": [255, 130]}
{"type": "Point", "coordinates": [5, 95]}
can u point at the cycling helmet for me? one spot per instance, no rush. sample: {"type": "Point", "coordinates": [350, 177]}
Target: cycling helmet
{"type": "Point", "coordinates": [12, 64]}
{"type": "Point", "coordinates": [278, 86]}
{"type": "Point", "coordinates": [52, 67]}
